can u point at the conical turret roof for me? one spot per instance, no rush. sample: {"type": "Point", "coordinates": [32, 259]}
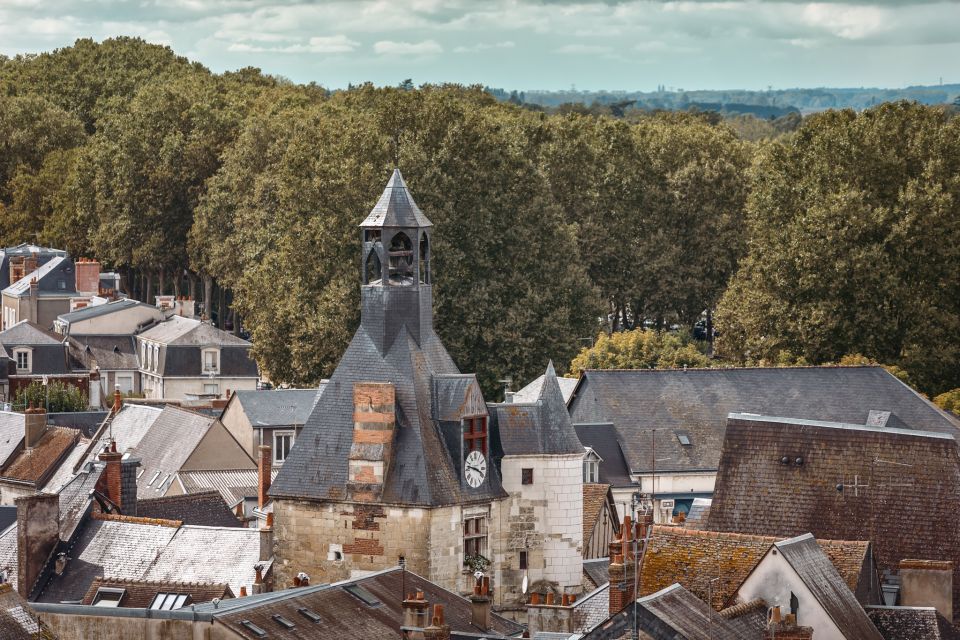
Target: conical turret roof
{"type": "Point", "coordinates": [396, 207]}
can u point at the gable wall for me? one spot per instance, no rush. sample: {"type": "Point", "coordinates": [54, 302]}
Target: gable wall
{"type": "Point", "coordinates": [218, 450]}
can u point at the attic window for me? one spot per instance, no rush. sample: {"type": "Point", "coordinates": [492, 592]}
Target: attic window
{"type": "Point", "coordinates": [309, 615]}
{"type": "Point", "coordinates": [153, 479]}
{"type": "Point", "coordinates": [362, 594]}
{"type": "Point", "coordinates": [168, 601]}
{"type": "Point", "coordinates": [684, 439]}
{"type": "Point", "coordinates": [254, 629]}
{"type": "Point", "coordinates": [284, 622]}
{"type": "Point", "coordinates": [108, 597]}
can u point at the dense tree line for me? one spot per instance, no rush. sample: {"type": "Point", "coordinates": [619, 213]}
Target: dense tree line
{"type": "Point", "coordinates": [245, 191]}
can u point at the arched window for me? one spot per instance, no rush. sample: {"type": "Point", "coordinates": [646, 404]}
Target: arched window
{"type": "Point", "coordinates": [401, 259]}
{"type": "Point", "coordinates": [373, 271]}
{"type": "Point", "coordinates": [424, 259]}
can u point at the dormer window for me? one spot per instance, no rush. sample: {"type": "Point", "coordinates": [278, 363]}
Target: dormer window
{"type": "Point", "coordinates": [475, 435]}
{"type": "Point", "coordinates": [591, 466]}
{"type": "Point", "coordinates": [24, 360]}
{"type": "Point", "coordinates": [211, 361]}
{"type": "Point", "coordinates": [108, 597]}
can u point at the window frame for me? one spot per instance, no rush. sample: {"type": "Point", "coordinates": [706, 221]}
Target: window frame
{"type": "Point", "coordinates": [282, 433]}
{"type": "Point", "coordinates": [526, 475]}
{"type": "Point", "coordinates": [28, 359]}
{"type": "Point", "coordinates": [471, 435]}
{"type": "Point", "coordinates": [108, 597]}
{"type": "Point", "coordinates": [212, 351]}
{"type": "Point", "coordinates": [476, 534]}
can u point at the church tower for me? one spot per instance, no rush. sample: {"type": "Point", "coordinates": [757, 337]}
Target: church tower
{"type": "Point", "coordinates": [396, 287]}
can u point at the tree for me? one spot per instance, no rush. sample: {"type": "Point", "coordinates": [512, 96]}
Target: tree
{"type": "Point", "coordinates": [639, 349]}
{"type": "Point", "coordinates": [852, 245]}
{"type": "Point", "coordinates": [56, 397]}
{"type": "Point", "coordinates": [949, 400]}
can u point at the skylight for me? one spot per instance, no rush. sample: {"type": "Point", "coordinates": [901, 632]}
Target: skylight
{"type": "Point", "coordinates": [168, 601]}
{"type": "Point", "coordinates": [108, 597]}
{"type": "Point", "coordinates": [283, 622]}
{"type": "Point", "coordinates": [309, 615]}
{"type": "Point", "coordinates": [684, 439]}
{"type": "Point", "coordinates": [254, 629]}
{"type": "Point", "coordinates": [362, 594]}
{"type": "Point", "coordinates": [153, 479]}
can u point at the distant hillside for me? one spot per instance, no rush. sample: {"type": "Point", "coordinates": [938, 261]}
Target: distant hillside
{"type": "Point", "coordinates": [774, 103]}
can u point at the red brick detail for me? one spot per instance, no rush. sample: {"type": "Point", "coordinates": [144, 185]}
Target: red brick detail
{"type": "Point", "coordinates": [364, 547]}
{"type": "Point", "coordinates": [111, 517]}
{"type": "Point", "coordinates": [364, 517]}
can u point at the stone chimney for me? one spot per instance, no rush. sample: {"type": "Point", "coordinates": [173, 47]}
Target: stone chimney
{"type": "Point", "coordinates": [88, 276]}
{"type": "Point", "coordinates": [264, 473]}
{"type": "Point", "coordinates": [110, 483]}
{"type": "Point", "coordinates": [34, 300]}
{"type": "Point", "coordinates": [927, 583]}
{"type": "Point", "coordinates": [128, 485]}
{"type": "Point", "coordinates": [551, 616]}
{"type": "Point", "coordinates": [34, 426]}
{"type": "Point", "coordinates": [416, 616]}
{"type": "Point", "coordinates": [438, 630]}
{"type": "Point", "coordinates": [266, 539]}
{"type": "Point", "coordinates": [374, 421]}
{"type": "Point", "coordinates": [38, 532]}
{"type": "Point", "coordinates": [480, 604]}
{"type": "Point", "coordinates": [785, 628]}
{"type": "Point", "coordinates": [622, 568]}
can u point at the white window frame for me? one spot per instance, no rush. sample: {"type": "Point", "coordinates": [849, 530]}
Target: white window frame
{"type": "Point", "coordinates": [215, 369]}
{"type": "Point", "coordinates": [210, 388]}
{"type": "Point", "coordinates": [143, 354]}
{"type": "Point", "coordinates": [125, 376]}
{"type": "Point", "coordinates": [28, 353]}
{"type": "Point", "coordinates": [277, 450]}
{"type": "Point", "coordinates": [591, 471]}
{"type": "Point", "coordinates": [156, 357]}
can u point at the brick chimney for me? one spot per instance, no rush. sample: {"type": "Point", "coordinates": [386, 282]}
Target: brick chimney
{"type": "Point", "coordinates": [622, 568]}
{"type": "Point", "coordinates": [88, 276]}
{"type": "Point", "coordinates": [551, 616]}
{"type": "Point", "coordinates": [480, 604]}
{"type": "Point", "coordinates": [38, 532]}
{"type": "Point", "coordinates": [785, 628]}
{"type": "Point", "coordinates": [374, 421]}
{"type": "Point", "coordinates": [264, 471]}
{"type": "Point", "coordinates": [117, 401]}
{"type": "Point", "coordinates": [34, 300]}
{"type": "Point", "coordinates": [416, 616]}
{"type": "Point", "coordinates": [34, 426]}
{"type": "Point", "coordinates": [110, 483]}
{"type": "Point", "coordinates": [437, 630]}
{"type": "Point", "coordinates": [927, 583]}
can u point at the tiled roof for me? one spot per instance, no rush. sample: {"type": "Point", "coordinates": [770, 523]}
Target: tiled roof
{"type": "Point", "coordinates": [75, 498]}
{"type": "Point", "coordinates": [109, 353]}
{"type": "Point", "coordinates": [685, 614]}
{"type": "Point", "coordinates": [594, 495]}
{"type": "Point", "coordinates": [140, 593]}
{"type": "Point", "coordinates": [597, 571]}
{"type": "Point", "coordinates": [11, 433]}
{"type": "Point", "coordinates": [749, 618]}
{"type": "Point", "coordinates": [180, 331]}
{"type": "Point", "coordinates": [592, 609]}
{"type": "Point", "coordinates": [207, 509]}
{"type": "Point", "coordinates": [912, 623]}
{"type": "Point", "coordinates": [697, 558]}
{"type": "Point", "coordinates": [839, 489]}
{"type": "Point", "coordinates": [36, 464]}
{"type": "Point", "coordinates": [279, 408]}
{"type": "Point", "coordinates": [541, 427]}
{"type": "Point", "coordinates": [166, 446]}
{"type": "Point", "coordinates": [696, 403]}
{"type": "Point", "coordinates": [821, 578]}
{"type": "Point", "coordinates": [64, 472]}
{"type": "Point", "coordinates": [8, 553]}
{"type": "Point", "coordinates": [603, 439]}
{"type": "Point", "coordinates": [233, 485]}
{"type": "Point", "coordinates": [28, 333]}
{"type": "Point", "coordinates": [22, 285]}
{"type": "Point", "coordinates": [531, 392]}
{"type": "Point", "coordinates": [345, 617]}
{"type": "Point", "coordinates": [396, 207]}
{"type": "Point", "coordinates": [17, 619]}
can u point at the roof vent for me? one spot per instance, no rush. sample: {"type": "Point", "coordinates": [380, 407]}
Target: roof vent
{"type": "Point", "coordinates": [254, 629]}
{"type": "Point", "coordinates": [283, 622]}
{"type": "Point", "coordinates": [309, 615]}
{"type": "Point", "coordinates": [878, 418]}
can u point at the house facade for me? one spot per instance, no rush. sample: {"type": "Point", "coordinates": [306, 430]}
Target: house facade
{"type": "Point", "coordinates": [269, 418]}
{"type": "Point", "coordinates": [402, 456]}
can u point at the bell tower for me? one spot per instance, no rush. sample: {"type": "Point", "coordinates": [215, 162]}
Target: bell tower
{"type": "Point", "coordinates": [396, 292]}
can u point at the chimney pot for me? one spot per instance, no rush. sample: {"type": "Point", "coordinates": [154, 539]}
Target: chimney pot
{"type": "Point", "coordinates": [565, 600]}
{"type": "Point", "coordinates": [243, 591]}
{"type": "Point", "coordinates": [550, 598]}
{"type": "Point", "coordinates": [535, 598]}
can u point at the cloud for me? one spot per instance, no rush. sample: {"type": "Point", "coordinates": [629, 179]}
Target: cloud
{"type": "Point", "coordinates": [320, 44]}
{"type": "Point", "coordinates": [485, 46]}
{"type": "Point", "coordinates": [585, 49]}
{"type": "Point", "coordinates": [391, 48]}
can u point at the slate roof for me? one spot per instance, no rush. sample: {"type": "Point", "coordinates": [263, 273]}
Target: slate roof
{"type": "Point", "coordinates": [912, 623]}
{"type": "Point", "coordinates": [597, 571]}
{"type": "Point", "coordinates": [396, 207]}
{"type": "Point", "coordinates": [168, 443]}
{"type": "Point", "coordinates": [180, 331]}
{"type": "Point", "coordinates": [682, 612]}
{"type": "Point", "coordinates": [711, 563]}
{"type": "Point", "coordinates": [592, 609]}
{"type": "Point", "coordinates": [748, 618]}
{"type": "Point", "coordinates": [140, 593]}
{"type": "Point", "coordinates": [872, 467]}
{"type": "Point", "coordinates": [27, 333]}
{"type": "Point", "coordinates": [99, 310]}
{"type": "Point", "coordinates": [124, 551]}
{"type": "Point", "coordinates": [542, 427]}
{"type": "Point", "coordinates": [346, 617]}
{"type": "Point", "coordinates": [17, 619]}
{"type": "Point", "coordinates": [820, 576]}
{"type": "Point", "coordinates": [8, 515]}
{"type": "Point", "coordinates": [206, 509]}
{"type": "Point", "coordinates": [57, 264]}
{"type": "Point", "coordinates": [11, 433]}
{"type": "Point", "coordinates": [696, 403]}
{"type": "Point", "coordinates": [603, 439]}
{"type": "Point", "coordinates": [531, 392]}
{"type": "Point", "coordinates": [8, 553]}
{"type": "Point", "coordinates": [233, 485]}
{"type": "Point", "coordinates": [594, 496]}
{"type": "Point", "coordinates": [75, 498]}
{"type": "Point", "coordinates": [278, 408]}
{"type": "Point", "coordinates": [423, 471]}
{"type": "Point", "coordinates": [109, 353]}
{"type": "Point", "coordinates": [37, 464]}
{"type": "Point", "coordinates": [128, 428]}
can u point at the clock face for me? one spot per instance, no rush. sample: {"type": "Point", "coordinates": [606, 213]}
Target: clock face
{"type": "Point", "coordinates": [475, 469]}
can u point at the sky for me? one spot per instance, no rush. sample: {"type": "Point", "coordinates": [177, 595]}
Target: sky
{"type": "Point", "coordinates": [527, 44]}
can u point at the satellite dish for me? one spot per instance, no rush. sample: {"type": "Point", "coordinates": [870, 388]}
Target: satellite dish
{"type": "Point", "coordinates": [525, 584]}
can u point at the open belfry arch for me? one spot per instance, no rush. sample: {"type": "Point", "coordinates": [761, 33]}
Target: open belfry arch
{"type": "Point", "coordinates": [403, 457]}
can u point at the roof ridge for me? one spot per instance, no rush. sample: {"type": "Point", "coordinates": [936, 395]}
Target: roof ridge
{"type": "Point", "coordinates": [734, 368]}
